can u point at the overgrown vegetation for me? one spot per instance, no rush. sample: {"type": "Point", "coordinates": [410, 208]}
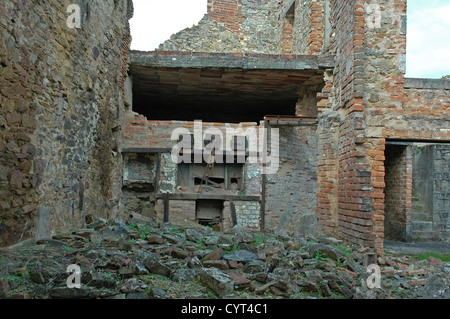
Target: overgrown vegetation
{"type": "Point", "coordinates": [424, 256]}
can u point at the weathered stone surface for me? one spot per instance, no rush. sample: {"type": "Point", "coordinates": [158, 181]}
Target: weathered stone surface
{"type": "Point", "coordinates": [183, 275]}
{"type": "Point", "coordinates": [326, 250]}
{"type": "Point", "coordinates": [153, 239]}
{"type": "Point", "coordinates": [255, 266]}
{"type": "Point", "coordinates": [215, 255]}
{"type": "Point", "coordinates": [219, 264]}
{"type": "Point", "coordinates": [159, 293]}
{"type": "Point", "coordinates": [180, 253]}
{"type": "Point", "coordinates": [241, 256]}
{"type": "Point", "coordinates": [69, 293]}
{"type": "Point", "coordinates": [218, 281]}
{"type": "Point", "coordinates": [193, 235]}
{"type": "Point", "coordinates": [156, 267]}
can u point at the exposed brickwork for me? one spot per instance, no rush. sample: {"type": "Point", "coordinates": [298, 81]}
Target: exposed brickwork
{"type": "Point", "coordinates": [227, 12]}
{"type": "Point", "coordinates": [316, 27]}
{"type": "Point", "coordinates": [255, 26]}
{"type": "Point", "coordinates": [398, 191]}
{"type": "Point", "coordinates": [288, 36]}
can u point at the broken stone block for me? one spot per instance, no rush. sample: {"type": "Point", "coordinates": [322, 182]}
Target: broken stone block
{"type": "Point", "coordinates": [159, 293]}
{"type": "Point", "coordinates": [132, 285]}
{"type": "Point", "coordinates": [193, 235]}
{"type": "Point", "coordinates": [156, 240]}
{"type": "Point", "coordinates": [183, 275]}
{"type": "Point", "coordinates": [156, 267]}
{"type": "Point", "coordinates": [69, 293]}
{"type": "Point", "coordinates": [218, 281]}
{"type": "Point", "coordinates": [219, 264]}
{"type": "Point", "coordinates": [137, 295]}
{"type": "Point", "coordinates": [254, 266]}
{"type": "Point", "coordinates": [215, 255]}
{"type": "Point", "coordinates": [180, 253]}
{"type": "Point", "coordinates": [39, 276]}
{"type": "Point", "coordinates": [241, 256]}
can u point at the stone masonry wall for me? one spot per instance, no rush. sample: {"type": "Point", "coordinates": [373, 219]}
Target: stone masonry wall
{"type": "Point", "coordinates": [60, 116]}
{"type": "Point", "coordinates": [254, 26]}
{"type": "Point", "coordinates": [431, 192]}
{"type": "Point", "coordinates": [291, 192]}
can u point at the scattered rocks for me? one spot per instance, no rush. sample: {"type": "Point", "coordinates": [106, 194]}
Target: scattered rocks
{"type": "Point", "coordinates": [241, 256]}
{"type": "Point", "coordinates": [159, 261]}
{"type": "Point", "coordinates": [184, 275]}
{"type": "Point", "coordinates": [154, 266]}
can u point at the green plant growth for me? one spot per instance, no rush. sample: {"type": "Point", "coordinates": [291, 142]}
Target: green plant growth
{"type": "Point", "coordinates": [346, 250]}
{"type": "Point", "coordinates": [201, 243]}
{"type": "Point", "coordinates": [319, 256]}
{"type": "Point", "coordinates": [258, 239]}
{"type": "Point", "coordinates": [144, 231]}
{"type": "Point", "coordinates": [174, 230]}
{"type": "Point", "coordinates": [424, 256]}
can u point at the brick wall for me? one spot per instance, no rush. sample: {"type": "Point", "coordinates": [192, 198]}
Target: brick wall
{"type": "Point", "coordinates": [227, 12]}
{"type": "Point", "coordinates": [344, 173]}
{"type": "Point", "coordinates": [287, 40]}
{"type": "Point", "coordinates": [367, 98]}
{"type": "Point", "coordinates": [398, 192]}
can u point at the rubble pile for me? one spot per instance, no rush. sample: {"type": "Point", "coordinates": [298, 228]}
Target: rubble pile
{"type": "Point", "coordinates": [142, 259]}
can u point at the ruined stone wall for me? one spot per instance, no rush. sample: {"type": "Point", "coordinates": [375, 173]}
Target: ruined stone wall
{"type": "Point", "coordinates": [60, 116]}
{"type": "Point", "coordinates": [291, 192]}
{"type": "Point", "coordinates": [233, 26]}
{"type": "Point", "coordinates": [343, 173]}
{"type": "Point", "coordinates": [147, 134]}
{"type": "Point", "coordinates": [255, 26]}
{"type": "Point", "coordinates": [373, 102]}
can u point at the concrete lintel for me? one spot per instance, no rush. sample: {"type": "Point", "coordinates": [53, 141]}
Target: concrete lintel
{"type": "Point", "coordinates": [172, 59]}
{"type": "Point", "coordinates": [427, 84]}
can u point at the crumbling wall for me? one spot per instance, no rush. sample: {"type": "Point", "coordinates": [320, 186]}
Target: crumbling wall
{"type": "Point", "coordinates": [61, 113]}
{"type": "Point", "coordinates": [143, 134]}
{"type": "Point", "coordinates": [372, 102]}
{"type": "Point", "coordinates": [255, 26]}
{"type": "Point", "coordinates": [291, 192]}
